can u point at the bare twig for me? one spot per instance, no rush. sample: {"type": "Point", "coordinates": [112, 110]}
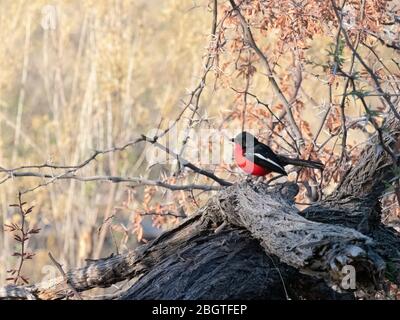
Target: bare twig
{"type": "Point", "coordinates": [114, 179]}
{"type": "Point", "coordinates": [346, 85]}
{"type": "Point", "coordinates": [326, 114]}
{"type": "Point", "coordinates": [59, 267]}
{"type": "Point", "coordinates": [186, 163]}
{"type": "Point", "coordinates": [279, 120]}
{"type": "Point", "coordinates": [393, 44]}
{"type": "Point", "coordinates": [162, 214]}
{"type": "Point", "coordinates": [70, 173]}
{"type": "Point", "coordinates": [379, 130]}
{"type": "Point", "coordinates": [373, 76]}
{"type": "Point", "coordinates": [251, 42]}
{"type": "Point", "coordinates": [196, 93]}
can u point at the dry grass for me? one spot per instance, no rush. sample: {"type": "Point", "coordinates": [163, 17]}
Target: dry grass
{"type": "Point", "coordinates": [107, 72]}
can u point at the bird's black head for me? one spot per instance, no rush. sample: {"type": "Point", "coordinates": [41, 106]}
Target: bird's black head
{"type": "Point", "coordinates": [245, 139]}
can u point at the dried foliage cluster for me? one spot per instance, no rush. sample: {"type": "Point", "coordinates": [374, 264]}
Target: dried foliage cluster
{"type": "Point", "coordinates": [358, 75]}
{"type": "Point", "coordinates": [314, 79]}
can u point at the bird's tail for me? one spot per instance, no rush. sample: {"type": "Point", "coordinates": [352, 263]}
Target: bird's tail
{"type": "Point", "coordinates": [302, 163]}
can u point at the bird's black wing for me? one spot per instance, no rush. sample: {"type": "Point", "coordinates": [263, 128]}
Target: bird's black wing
{"type": "Point", "coordinates": [263, 156]}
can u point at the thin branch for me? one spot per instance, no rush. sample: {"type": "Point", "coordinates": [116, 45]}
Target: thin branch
{"type": "Point", "coordinates": [196, 93]}
{"type": "Point", "coordinates": [375, 125]}
{"type": "Point", "coordinates": [294, 147]}
{"type": "Point", "coordinates": [245, 97]}
{"type": "Point", "coordinates": [393, 45]}
{"type": "Point", "coordinates": [70, 173]}
{"type": "Point", "coordinates": [395, 86]}
{"type": "Point", "coordinates": [346, 85]}
{"type": "Point", "coordinates": [74, 167]}
{"type": "Point", "coordinates": [373, 76]}
{"type": "Point", "coordinates": [251, 42]}
{"type": "Point", "coordinates": [163, 214]}
{"type": "Point", "coordinates": [59, 267]}
{"type": "Point", "coordinates": [186, 163]}
{"type": "Point", "coordinates": [114, 179]}
{"type": "Point", "coordinates": [328, 110]}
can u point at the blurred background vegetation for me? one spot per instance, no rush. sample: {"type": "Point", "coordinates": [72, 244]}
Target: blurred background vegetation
{"type": "Point", "coordinates": [110, 70]}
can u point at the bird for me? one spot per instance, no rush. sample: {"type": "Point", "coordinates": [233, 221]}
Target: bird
{"type": "Point", "coordinates": [257, 159]}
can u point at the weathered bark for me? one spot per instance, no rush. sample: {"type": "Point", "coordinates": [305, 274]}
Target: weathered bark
{"type": "Point", "coordinates": [193, 262]}
{"type": "Point", "coordinates": [227, 265]}
{"type": "Point", "coordinates": [312, 247]}
{"type": "Point", "coordinates": [356, 201]}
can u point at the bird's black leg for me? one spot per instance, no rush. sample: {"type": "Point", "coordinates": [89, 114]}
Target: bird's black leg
{"type": "Point", "coordinates": [249, 178]}
{"type": "Point", "coordinates": [274, 178]}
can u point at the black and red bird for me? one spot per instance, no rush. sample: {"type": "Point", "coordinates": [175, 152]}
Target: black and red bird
{"type": "Point", "coordinates": [256, 158]}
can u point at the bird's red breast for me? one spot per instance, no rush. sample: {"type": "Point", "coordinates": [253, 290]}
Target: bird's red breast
{"type": "Point", "coordinates": [246, 165]}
